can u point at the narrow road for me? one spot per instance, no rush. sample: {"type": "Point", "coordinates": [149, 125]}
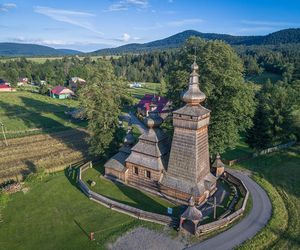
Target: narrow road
{"type": "Point", "coordinates": [136, 122]}
{"type": "Point", "coordinates": [249, 226]}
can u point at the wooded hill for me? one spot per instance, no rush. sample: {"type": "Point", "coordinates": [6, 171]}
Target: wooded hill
{"type": "Point", "coordinates": [21, 49]}
{"type": "Point", "coordinates": [175, 41]}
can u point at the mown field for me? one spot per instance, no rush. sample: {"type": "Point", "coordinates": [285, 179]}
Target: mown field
{"type": "Point", "coordinates": [54, 214]}
{"type": "Point", "coordinates": [51, 152]}
{"type": "Point", "coordinates": [50, 58]}
{"type": "Point", "coordinates": [147, 88]}
{"type": "Point", "coordinates": [22, 111]}
{"type": "Point", "coordinates": [125, 194]}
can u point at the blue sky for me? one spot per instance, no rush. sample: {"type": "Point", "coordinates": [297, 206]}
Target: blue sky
{"type": "Point", "coordinates": [88, 25]}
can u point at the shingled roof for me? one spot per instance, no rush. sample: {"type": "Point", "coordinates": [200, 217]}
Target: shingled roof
{"type": "Point", "coordinates": [153, 147]}
{"type": "Point", "coordinates": [192, 213]}
{"type": "Point", "coordinates": [117, 162]}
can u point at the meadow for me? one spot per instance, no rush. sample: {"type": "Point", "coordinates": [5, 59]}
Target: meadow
{"type": "Point", "coordinates": [23, 111]}
{"type": "Point", "coordinates": [56, 214]}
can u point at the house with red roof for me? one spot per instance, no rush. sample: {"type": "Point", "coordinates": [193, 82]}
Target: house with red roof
{"type": "Point", "coordinates": [61, 92]}
{"type": "Point", "coordinates": [150, 101]}
{"type": "Point", "coordinates": [5, 86]}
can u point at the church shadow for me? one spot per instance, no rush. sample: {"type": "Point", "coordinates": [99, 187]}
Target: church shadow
{"type": "Point", "coordinates": [142, 200]}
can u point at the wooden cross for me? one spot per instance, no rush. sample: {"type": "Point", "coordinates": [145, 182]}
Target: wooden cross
{"type": "Point", "coordinates": [214, 206]}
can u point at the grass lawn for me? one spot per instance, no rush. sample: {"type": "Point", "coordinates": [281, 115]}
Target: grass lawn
{"type": "Point", "coordinates": [241, 150]}
{"type": "Point", "coordinates": [263, 77]}
{"type": "Point", "coordinates": [279, 175]}
{"type": "Point", "coordinates": [25, 110]}
{"type": "Point", "coordinates": [127, 195]}
{"type": "Point", "coordinates": [148, 88]}
{"type": "Point", "coordinates": [54, 214]}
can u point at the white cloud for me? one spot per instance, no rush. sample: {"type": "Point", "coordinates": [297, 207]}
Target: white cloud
{"type": "Point", "coordinates": [184, 22]}
{"type": "Point", "coordinates": [7, 6]}
{"type": "Point", "coordinates": [126, 4]}
{"type": "Point", "coordinates": [76, 18]}
{"type": "Point", "coordinates": [126, 37]}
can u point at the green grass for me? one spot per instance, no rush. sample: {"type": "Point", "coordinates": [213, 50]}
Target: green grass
{"type": "Point", "coordinates": [26, 111]}
{"type": "Point", "coordinates": [241, 150]}
{"type": "Point", "coordinates": [51, 58]}
{"type": "Point", "coordinates": [148, 88]}
{"type": "Point", "coordinates": [263, 77]}
{"type": "Point", "coordinates": [54, 214]}
{"type": "Point", "coordinates": [127, 195]}
{"type": "Point", "coordinates": [279, 175]}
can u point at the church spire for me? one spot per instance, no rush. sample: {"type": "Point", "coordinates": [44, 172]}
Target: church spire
{"type": "Point", "coordinates": [193, 96]}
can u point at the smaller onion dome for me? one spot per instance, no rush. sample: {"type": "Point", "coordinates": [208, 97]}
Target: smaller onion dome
{"type": "Point", "coordinates": [129, 138]}
{"type": "Point", "coordinates": [192, 213]}
{"type": "Point", "coordinates": [153, 120]}
{"type": "Point", "coordinates": [218, 162]}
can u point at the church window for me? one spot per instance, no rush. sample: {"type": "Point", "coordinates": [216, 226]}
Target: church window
{"type": "Point", "coordinates": [148, 174]}
{"type": "Point", "coordinates": [136, 170]}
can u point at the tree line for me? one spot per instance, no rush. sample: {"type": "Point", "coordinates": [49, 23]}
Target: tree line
{"type": "Point", "coordinates": [267, 114]}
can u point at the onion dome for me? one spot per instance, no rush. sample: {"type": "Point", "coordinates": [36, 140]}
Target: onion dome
{"type": "Point", "coordinates": [194, 96]}
{"type": "Point", "coordinates": [218, 162]}
{"type": "Point", "coordinates": [192, 213]}
{"type": "Point", "coordinates": [129, 138]}
{"type": "Point", "coordinates": [153, 120]}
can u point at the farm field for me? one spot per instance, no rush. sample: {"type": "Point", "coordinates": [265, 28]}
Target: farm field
{"type": "Point", "coordinates": [44, 59]}
{"type": "Point", "coordinates": [147, 88]}
{"type": "Point", "coordinates": [54, 214]}
{"type": "Point", "coordinates": [51, 152]}
{"type": "Point", "coordinates": [21, 111]}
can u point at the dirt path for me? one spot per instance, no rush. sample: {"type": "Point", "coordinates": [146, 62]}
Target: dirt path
{"type": "Point", "coordinates": [144, 239]}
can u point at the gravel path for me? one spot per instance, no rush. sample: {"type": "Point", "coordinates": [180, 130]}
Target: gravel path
{"type": "Point", "coordinates": [144, 239]}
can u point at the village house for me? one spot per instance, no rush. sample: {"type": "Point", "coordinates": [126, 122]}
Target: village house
{"type": "Point", "coordinates": [136, 85]}
{"type": "Point", "coordinates": [75, 83]}
{"type": "Point", "coordinates": [5, 86]}
{"type": "Point", "coordinates": [22, 81]}
{"type": "Point", "coordinates": [182, 170]}
{"type": "Point", "coordinates": [162, 104]}
{"type": "Point", "coordinates": [61, 92]}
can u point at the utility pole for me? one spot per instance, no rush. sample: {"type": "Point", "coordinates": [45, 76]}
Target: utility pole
{"type": "Point", "coordinates": [3, 132]}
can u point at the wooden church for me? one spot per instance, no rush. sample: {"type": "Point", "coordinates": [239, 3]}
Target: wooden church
{"type": "Point", "coordinates": [179, 170]}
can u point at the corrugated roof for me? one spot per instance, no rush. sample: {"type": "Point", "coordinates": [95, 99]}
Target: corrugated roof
{"type": "Point", "coordinates": [59, 90]}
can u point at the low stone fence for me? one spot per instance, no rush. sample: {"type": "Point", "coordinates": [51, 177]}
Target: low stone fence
{"type": "Point", "coordinates": [114, 205]}
{"type": "Point", "coordinates": [202, 229]}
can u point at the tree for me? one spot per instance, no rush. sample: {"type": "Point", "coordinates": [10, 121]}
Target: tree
{"type": "Point", "coordinates": [274, 119]}
{"type": "Point", "coordinates": [101, 99]}
{"type": "Point", "coordinates": [229, 97]}
{"type": "Point", "coordinates": [162, 87]}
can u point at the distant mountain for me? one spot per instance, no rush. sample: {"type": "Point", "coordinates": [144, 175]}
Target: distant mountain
{"type": "Point", "coordinates": [175, 41]}
{"type": "Point", "coordinates": [22, 49]}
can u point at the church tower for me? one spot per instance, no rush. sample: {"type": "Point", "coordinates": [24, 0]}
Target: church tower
{"type": "Point", "coordinates": [188, 173]}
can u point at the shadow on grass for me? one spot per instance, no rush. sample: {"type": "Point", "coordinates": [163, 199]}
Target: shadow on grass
{"type": "Point", "coordinates": [81, 228]}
